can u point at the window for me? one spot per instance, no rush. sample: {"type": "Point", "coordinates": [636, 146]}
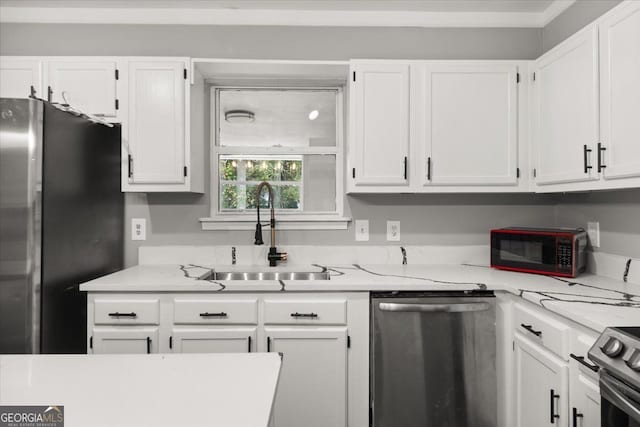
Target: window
{"type": "Point", "coordinates": [288, 137]}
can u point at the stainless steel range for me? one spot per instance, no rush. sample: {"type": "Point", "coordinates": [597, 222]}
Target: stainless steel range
{"type": "Point", "coordinates": [617, 353]}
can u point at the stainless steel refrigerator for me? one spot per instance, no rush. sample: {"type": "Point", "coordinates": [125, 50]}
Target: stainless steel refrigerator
{"type": "Point", "coordinates": [61, 223]}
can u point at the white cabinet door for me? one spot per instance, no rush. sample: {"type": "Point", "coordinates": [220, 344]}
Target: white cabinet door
{"type": "Point", "coordinates": [88, 85]}
{"type": "Point", "coordinates": [134, 340]}
{"type": "Point", "coordinates": [541, 380]}
{"type": "Point", "coordinates": [18, 75]}
{"type": "Point", "coordinates": [312, 390]}
{"type": "Point", "coordinates": [620, 91]}
{"type": "Point", "coordinates": [566, 130]}
{"type": "Point", "coordinates": [380, 124]}
{"type": "Point", "coordinates": [156, 122]}
{"type": "Point", "coordinates": [471, 124]}
{"type": "Point", "coordinates": [209, 340]}
{"type": "Point", "coordinates": [584, 402]}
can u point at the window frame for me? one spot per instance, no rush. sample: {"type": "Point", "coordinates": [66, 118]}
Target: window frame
{"type": "Point", "coordinates": [220, 220]}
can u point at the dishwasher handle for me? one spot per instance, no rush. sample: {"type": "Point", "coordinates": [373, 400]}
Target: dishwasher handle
{"type": "Point", "coordinates": [434, 308]}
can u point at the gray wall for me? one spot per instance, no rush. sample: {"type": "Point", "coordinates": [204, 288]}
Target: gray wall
{"type": "Point", "coordinates": [581, 13]}
{"type": "Point", "coordinates": [425, 219]}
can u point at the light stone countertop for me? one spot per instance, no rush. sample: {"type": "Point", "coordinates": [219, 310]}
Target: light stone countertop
{"type": "Point", "coordinates": [594, 301]}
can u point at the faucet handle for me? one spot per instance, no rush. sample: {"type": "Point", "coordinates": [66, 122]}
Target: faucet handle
{"type": "Point", "coordinates": [258, 235]}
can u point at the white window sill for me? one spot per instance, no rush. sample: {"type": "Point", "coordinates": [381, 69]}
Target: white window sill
{"type": "Point", "coordinates": [283, 222]}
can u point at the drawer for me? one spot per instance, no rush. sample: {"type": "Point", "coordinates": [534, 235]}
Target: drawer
{"type": "Point", "coordinates": [305, 312]}
{"type": "Point", "coordinates": [543, 329]}
{"type": "Point", "coordinates": [215, 311]}
{"type": "Point", "coordinates": [126, 312]}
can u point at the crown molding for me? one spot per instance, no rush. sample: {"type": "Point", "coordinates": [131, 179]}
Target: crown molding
{"type": "Point", "coordinates": [271, 17]}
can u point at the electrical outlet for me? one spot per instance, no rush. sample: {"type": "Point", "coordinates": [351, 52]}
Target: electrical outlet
{"type": "Point", "coordinates": [362, 230]}
{"type": "Point", "coordinates": [393, 231]}
{"type": "Point", "coordinates": [593, 230]}
{"type": "Point", "coordinates": [138, 229]}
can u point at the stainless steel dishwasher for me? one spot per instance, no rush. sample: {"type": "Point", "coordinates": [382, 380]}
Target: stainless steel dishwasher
{"type": "Point", "coordinates": [433, 359]}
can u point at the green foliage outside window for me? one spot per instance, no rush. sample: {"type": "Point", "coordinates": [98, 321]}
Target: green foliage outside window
{"type": "Point", "coordinates": [240, 178]}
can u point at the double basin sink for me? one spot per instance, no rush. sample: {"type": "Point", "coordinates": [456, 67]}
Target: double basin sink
{"type": "Point", "coordinates": [266, 275]}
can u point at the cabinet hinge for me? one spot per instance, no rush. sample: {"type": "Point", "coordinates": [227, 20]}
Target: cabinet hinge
{"type": "Point", "coordinates": [130, 166]}
{"type": "Point", "coordinates": [354, 76]}
{"type": "Point", "coordinates": [117, 74]}
{"type": "Point", "coordinates": [185, 171]}
{"type": "Point", "coordinates": [517, 172]}
{"type": "Point", "coordinates": [91, 342]}
{"type": "Point", "coordinates": [170, 342]}
{"type": "Point", "coordinates": [185, 74]}
{"type": "Point", "coordinates": [117, 104]}
{"type": "Point", "coordinates": [348, 341]}
{"type": "Point", "coordinates": [517, 77]}
{"type": "Point", "coordinates": [535, 172]}
{"type": "Point", "coordinates": [353, 172]}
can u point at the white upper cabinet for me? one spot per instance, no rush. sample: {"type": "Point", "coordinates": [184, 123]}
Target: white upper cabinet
{"type": "Point", "coordinates": [620, 92]}
{"type": "Point", "coordinates": [470, 119]}
{"type": "Point", "coordinates": [86, 84]}
{"type": "Point", "coordinates": [379, 123]}
{"type": "Point", "coordinates": [156, 131]}
{"type": "Point", "coordinates": [566, 130]}
{"type": "Point", "coordinates": [18, 75]}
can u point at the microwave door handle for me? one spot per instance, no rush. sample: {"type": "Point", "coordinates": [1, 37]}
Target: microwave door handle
{"type": "Point", "coordinates": [434, 308]}
{"type": "Point", "coordinates": [609, 391]}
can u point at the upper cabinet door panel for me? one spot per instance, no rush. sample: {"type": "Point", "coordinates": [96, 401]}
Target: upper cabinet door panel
{"type": "Point", "coordinates": [471, 124]}
{"type": "Point", "coordinates": [18, 75]}
{"type": "Point", "coordinates": [157, 122]}
{"type": "Point", "coordinates": [566, 110]}
{"type": "Point", "coordinates": [381, 123]}
{"type": "Point", "coordinates": [620, 91]}
{"type": "Point", "coordinates": [89, 86]}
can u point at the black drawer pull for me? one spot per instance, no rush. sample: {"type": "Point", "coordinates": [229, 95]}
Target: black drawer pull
{"type": "Point", "coordinates": [576, 415]}
{"type": "Point", "coordinates": [310, 315]}
{"type": "Point", "coordinates": [118, 314]}
{"type": "Point", "coordinates": [530, 329]}
{"type": "Point", "coordinates": [552, 407]}
{"type": "Point", "coordinates": [220, 314]}
{"type": "Point", "coordinates": [583, 362]}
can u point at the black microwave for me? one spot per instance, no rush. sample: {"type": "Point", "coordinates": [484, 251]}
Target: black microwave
{"type": "Point", "coordinates": [551, 251]}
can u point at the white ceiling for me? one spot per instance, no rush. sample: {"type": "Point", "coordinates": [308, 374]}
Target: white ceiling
{"type": "Point", "coordinates": [384, 13]}
{"type": "Point", "coordinates": [398, 5]}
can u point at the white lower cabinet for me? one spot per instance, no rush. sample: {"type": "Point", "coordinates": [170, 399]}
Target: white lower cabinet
{"type": "Point", "coordinates": [123, 340]}
{"type": "Point", "coordinates": [541, 381]}
{"type": "Point", "coordinates": [584, 402]}
{"type": "Point", "coordinates": [206, 340]}
{"type": "Point", "coordinates": [312, 391]}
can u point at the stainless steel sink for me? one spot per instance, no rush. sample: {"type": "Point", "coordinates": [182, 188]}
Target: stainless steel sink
{"type": "Point", "coordinates": [266, 275]}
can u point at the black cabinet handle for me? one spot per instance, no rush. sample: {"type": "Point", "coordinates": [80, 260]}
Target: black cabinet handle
{"type": "Point", "coordinates": [249, 344]}
{"type": "Point", "coordinates": [428, 168]}
{"type": "Point", "coordinates": [405, 167]}
{"type": "Point", "coordinates": [32, 92]}
{"type": "Point", "coordinates": [601, 164]}
{"type": "Point", "coordinates": [268, 344]}
{"type": "Point", "coordinates": [552, 406]}
{"type": "Point", "coordinates": [130, 166]}
{"type": "Point", "coordinates": [148, 345]}
{"type": "Point", "coordinates": [576, 415]}
{"type": "Point", "coordinates": [310, 315]}
{"type": "Point", "coordinates": [49, 93]}
{"type": "Point", "coordinates": [586, 152]}
{"type": "Point", "coordinates": [530, 329]}
{"type": "Point", "coordinates": [583, 362]}
{"type": "Point", "coordinates": [207, 314]}
{"type": "Point", "coordinates": [118, 314]}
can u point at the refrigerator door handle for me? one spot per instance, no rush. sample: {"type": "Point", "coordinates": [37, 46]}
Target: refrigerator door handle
{"type": "Point", "coordinates": [434, 308]}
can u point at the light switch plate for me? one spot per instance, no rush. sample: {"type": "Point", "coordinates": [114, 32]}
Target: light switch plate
{"type": "Point", "coordinates": [593, 230]}
{"type": "Point", "coordinates": [393, 231]}
{"type": "Point", "coordinates": [138, 229]}
{"type": "Point", "coordinates": [362, 230]}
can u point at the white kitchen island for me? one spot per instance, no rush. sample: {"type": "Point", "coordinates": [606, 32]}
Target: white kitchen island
{"type": "Point", "coordinates": [231, 390]}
